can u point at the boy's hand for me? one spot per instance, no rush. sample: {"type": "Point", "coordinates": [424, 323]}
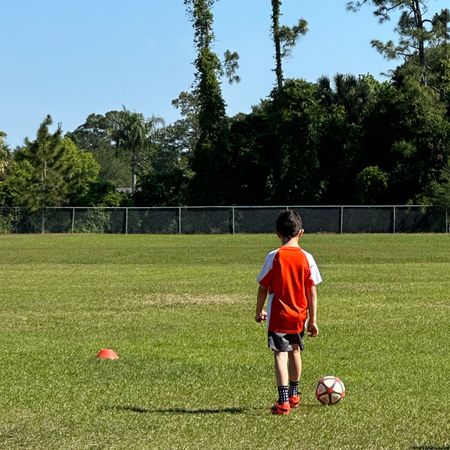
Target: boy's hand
{"type": "Point", "coordinates": [261, 317]}
{"type": "Point", "coordinates": [313, 329]}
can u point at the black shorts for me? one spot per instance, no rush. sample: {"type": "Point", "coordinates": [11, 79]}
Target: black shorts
{"type": "Point", "coordinates": [282, 342]}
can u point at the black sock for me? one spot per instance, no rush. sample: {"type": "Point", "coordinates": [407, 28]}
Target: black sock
{"type": "Point", "coordinates": [293, 388]}
{"type": "Point", "coordinates": [283, 394]}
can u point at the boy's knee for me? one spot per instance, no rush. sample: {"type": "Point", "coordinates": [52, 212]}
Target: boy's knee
{"type": "Point", "coordinates": [280, 355]}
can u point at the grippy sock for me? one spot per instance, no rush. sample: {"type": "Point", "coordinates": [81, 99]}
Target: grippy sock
{"type": "Point", "coordinates": [283, 394]}
{"type": "Point", "coordinates": [293, 388]}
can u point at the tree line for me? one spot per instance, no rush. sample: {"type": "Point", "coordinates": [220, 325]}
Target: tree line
{"type": "Point", "coordinates": [347, 140]}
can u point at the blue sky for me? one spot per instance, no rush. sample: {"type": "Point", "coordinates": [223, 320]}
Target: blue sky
{"type": "Point", "coordinates": [73, 58]}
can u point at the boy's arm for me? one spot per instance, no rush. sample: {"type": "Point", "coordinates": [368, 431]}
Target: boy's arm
{"type": "Point", "coordinates": [260, 314]}
{"type": "Point", "coordinates": [313, 329]}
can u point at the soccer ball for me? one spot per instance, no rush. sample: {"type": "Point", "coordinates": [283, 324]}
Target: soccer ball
{"type": "Point", "coordinates": [330, 390]}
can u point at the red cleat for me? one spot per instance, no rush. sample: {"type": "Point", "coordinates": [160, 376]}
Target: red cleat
{"type": "Point", "coordinates": [281, 409]}
{"type": "Point", "coordinates": [294, 401]}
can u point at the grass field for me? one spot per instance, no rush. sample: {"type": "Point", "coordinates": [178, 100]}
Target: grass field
{"type": "Point", "coordinates": [194, 370]}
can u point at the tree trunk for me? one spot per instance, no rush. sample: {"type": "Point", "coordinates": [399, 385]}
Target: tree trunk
{"type": "Point", "coordinates": [415, 4]}
{"type": "Point", "coordinates": [276, 39]}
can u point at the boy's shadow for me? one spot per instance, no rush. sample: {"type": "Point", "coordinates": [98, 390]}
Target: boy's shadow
{"type": "Point", "coordinates": [200, 411]}
{"type": "Point", "coordinates": [140, 410]}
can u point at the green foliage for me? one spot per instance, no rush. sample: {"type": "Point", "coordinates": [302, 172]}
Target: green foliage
{"type": "Point", "coordinates": [285, 38]}
{"type": "Point", "coordinates": [296, 119]}
{"type": "Point", "coordinates": [251, 154]}
{"type": "Point", "coordinates": [348, 103]}
{"type": "Point", "coordinates": [84, 173]}
{"type": "Point", "coordinates": [6, 221]}
{"type": "Point", "coordinates": [166, 181]}
{"type": "Point", "coordinates": [17, 184]}
{"type": "Point", "coordinates": [99, 135]}
{"type": "Point", "coordinates": [115, 198]}
{"type": "Point", "coordinates": [230, 65]}
{"type": "Point", "coordinates": [372, 184]}
{"type": "Point", "coordinates": [4, 152]}
{"type": "Point", "coordinates": [136, 139]}
{"type": "Point", "coordinates": [121, 141]}
{"type": "Point", "coordinates": [438, 192]}
{"type": "Point", "coordinates": [289, 36]}
{"type": "Point", "coordinates": [344, 140]}
{"type": "Point", "coordinates": [49, 171]}
{"type": "Point", "coordinates": [210, 154]}
{"type": "Point", "coordinates": [184, 133]}
{"type": "Point", "coordinates": [425, 125]}
{"type": "Point", "coordinates": [95, 221]}
{"type": "Point", "coordinates": [416, 32]}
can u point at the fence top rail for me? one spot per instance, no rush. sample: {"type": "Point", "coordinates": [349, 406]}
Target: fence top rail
{"type": "Point", "coordinates": [228, 207]}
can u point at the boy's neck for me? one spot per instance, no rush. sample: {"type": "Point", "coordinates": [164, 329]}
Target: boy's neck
{"type": "Point", "coordinates": [290, 242]}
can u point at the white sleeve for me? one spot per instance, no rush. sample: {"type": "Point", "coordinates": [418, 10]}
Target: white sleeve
{"type": "Point", "coordinates": [315, 274]}
{"type": "Point", "coordinates": [267, 267]}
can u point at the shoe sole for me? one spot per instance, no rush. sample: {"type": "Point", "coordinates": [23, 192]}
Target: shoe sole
{"type": "Point", "coordinates": [295, 405]}
{"type": "Point", "coordinates": [279, 412]}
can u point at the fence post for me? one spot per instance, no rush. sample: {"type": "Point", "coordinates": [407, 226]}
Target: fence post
{"type": "Point", "coordinates": [43, 221]}
{"type": "Point", "coordinates": [16, 211]}
{"type": "Point", "coordinates": [73, 220]}
{"type": "Point", "coordinates": [341, 224]}
{"type": "Point", "coordinates": [393, 220]}
{"type": "Point", "coordinates": [126, 220]}
{"type": "Point", "coordinates": [233, 226]}
{"type": "Point", "coordinates": [179, 220]}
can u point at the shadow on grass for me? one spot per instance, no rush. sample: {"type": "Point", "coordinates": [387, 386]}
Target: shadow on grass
{"type": "Point", "coordinates": [139, 410]}
{"type": "Point", "coordinates": [200, 411]}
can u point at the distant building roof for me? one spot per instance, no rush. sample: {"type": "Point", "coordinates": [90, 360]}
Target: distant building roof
{"type": "Point", "coordinates": [125, 189]}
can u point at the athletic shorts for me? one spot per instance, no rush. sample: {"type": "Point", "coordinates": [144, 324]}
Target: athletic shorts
{"type": "Point", "coordinates": [282, 342]}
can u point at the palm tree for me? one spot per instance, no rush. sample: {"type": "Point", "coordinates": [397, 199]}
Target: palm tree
{"type": "Point", "coordinates": [136, 134]}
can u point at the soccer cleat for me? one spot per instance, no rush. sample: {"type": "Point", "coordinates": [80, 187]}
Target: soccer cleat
{"type": "Point", "coordinates": [294, 401]}
{"type": "Point", "coordinates": [281, 409]}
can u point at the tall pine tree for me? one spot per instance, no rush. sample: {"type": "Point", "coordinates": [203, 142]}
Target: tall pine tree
{"type": "Point", "coordinates": [416, 31]}
{"type": "Point", "coordinates": [284, 38]}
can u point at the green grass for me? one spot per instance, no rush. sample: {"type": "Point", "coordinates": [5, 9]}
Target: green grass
{"type": "Point", "coordinates": [194, 370]}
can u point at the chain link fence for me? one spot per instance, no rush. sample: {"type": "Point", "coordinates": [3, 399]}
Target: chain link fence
{"type": "Point", "coordinates": [225, 219]}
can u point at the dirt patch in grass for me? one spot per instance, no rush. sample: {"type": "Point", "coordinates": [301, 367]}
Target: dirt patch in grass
{"type": "Point", "coordinates": [189, 299]}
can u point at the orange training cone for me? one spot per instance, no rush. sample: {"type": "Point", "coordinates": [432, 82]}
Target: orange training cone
{"type": "Point", "coordinates": [107, 353]}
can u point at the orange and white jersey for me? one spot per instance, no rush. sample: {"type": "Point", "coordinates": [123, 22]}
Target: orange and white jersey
{"type": "Point", "coordinates": [288, 273]}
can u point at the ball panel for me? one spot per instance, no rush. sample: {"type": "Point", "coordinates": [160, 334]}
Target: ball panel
{"type": "Point", "coordinates": [321, 389]}
{"type": "Point", "coordinates": [328, 381]}
{"type": "Point", "coordinates": [334, 397]}
{"type": "Point", "coordinates": [324, 398]}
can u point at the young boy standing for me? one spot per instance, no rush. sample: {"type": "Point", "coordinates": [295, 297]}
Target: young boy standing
{"type": "Point", "coordinates": [288, 278]}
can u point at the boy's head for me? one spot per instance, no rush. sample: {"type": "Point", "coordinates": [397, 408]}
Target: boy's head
{"type": "Point", "coordinates": [289, 224]}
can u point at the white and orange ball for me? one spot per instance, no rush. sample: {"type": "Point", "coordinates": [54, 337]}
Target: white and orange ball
{"type": "Point", "coordinates": [330, 390]}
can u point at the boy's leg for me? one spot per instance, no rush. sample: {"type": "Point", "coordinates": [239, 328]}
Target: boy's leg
{"type": "Point", "coordinates": [281, 368]}
{"type": "Point", "coordinates": [295, 364]}
{"type": "Point", "coordinates": [282, 377]}
{"type": "Point", "coordinates": [295, 371]}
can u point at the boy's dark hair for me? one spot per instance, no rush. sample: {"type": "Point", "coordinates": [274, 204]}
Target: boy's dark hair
{"type": "Point", "coordinates": [289, 224]}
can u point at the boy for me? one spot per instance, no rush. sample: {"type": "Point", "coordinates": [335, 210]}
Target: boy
{"type": "Point", "coordinates": [289, 277]}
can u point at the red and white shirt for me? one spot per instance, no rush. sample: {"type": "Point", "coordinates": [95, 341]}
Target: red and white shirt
{"type": "Point", "coordinates": [287, 273]}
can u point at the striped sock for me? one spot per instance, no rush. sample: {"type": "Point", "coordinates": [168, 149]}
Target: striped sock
{"type": "Point", "coordinates": [283, 394]}
{"type": "Point", "coordinates": [293, 388]}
